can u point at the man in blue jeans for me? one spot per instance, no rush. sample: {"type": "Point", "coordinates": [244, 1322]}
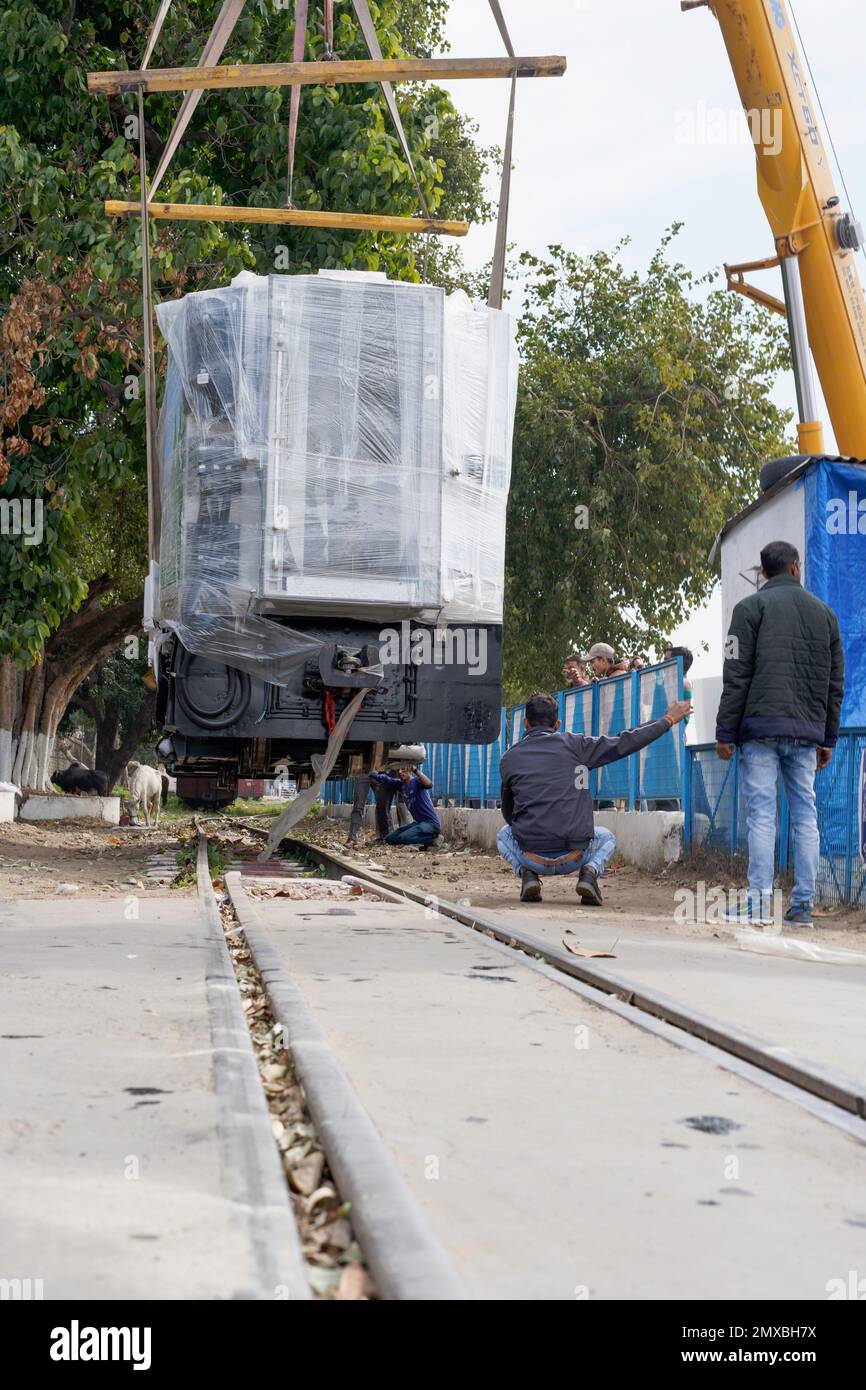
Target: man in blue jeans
{"type": "Point", "coordinates": [784, 680]}
{"type": "Point", "coordinates": [546, 801]}
{"type": "Point", "coordinates": [413, 789]}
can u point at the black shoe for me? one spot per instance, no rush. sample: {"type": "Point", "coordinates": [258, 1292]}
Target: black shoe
{"type": "Point", "coordinates": [530, 887]}
{"type": "Point", "coordinates": [587, 888]}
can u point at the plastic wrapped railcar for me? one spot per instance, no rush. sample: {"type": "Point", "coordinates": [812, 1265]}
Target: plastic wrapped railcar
{"type": "Point", "coordinates": [334, 461]}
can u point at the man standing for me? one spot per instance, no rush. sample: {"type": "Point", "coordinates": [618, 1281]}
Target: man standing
{"type": "Point", "coordinates": [413, 789]}
{"type": "Point", "coordinates": [546, 801]}
{"type": "Point", "coordinates": [784, 680]}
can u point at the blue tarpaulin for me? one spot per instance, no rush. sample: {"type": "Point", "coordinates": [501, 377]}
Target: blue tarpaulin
{"type": "Point", "coordinates": [835, 569]}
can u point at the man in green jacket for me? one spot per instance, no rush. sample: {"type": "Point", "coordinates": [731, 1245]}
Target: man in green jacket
{"type": "Point", "coordinates": [784, 679]}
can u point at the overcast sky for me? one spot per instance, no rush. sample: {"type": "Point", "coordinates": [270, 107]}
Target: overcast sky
{"type": "Point", "coordinates": [599, 154]}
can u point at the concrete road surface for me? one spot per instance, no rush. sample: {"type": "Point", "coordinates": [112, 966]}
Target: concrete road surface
{"type": "Point", "coordinates": [113, 1138]}
{"type": "Point", "coordinates": [558, 1151]}
{"type": "Point", "coordinates": [815, 1010]}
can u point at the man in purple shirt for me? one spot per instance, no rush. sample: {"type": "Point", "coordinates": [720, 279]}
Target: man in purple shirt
{"type": "Point", "coordinates": [413, 789]}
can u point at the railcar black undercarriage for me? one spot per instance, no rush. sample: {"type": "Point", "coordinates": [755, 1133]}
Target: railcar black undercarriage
{"type": "Point", "coordinates": [222, 723]}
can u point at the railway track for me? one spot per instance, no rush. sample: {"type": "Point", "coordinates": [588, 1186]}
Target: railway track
{"type": "Point", "coordinates": [381, 1024]}
{"type": "Point", "coordinates": [802, 1079]}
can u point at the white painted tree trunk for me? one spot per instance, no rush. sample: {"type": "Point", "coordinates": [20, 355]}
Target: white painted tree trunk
{"type": "Point", "coordinates": [19, 767]}
{"type": "Point", "coordinates": [6, 755]}
{"type": "Point", "coordinates": [44, 754]}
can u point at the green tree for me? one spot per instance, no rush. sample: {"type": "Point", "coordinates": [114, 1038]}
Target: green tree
{"type": "Point", "coordinates": [644, 414]}
{"type": "Point", "coordinates": [120, 708]}
{"type": "Point", "coordinates": [71, 414]}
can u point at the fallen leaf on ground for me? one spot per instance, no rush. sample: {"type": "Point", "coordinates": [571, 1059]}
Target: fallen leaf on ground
{"type": "Point", "coordinates": [323, 1196]}
{"type": "Point", "coordinates": [307, 1175]}
{"type": "Point", "coordinates": [586, 953]}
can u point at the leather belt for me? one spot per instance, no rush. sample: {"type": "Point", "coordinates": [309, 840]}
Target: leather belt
{"type": "Point", "coordinates": [560, 859]}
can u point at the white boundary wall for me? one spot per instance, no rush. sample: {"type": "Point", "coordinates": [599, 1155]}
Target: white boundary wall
{"type": "Point", "coordinates": [104, 808]}
{"type": "Point", "coordinates": [648, 839]}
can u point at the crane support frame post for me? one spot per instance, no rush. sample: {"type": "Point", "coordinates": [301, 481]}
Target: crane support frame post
{"type": "Point", "coordinates": [797, 191]}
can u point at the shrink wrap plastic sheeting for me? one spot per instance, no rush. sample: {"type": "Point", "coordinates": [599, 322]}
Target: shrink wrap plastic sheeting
{"type": "Point", "coordinates": [329, 445]}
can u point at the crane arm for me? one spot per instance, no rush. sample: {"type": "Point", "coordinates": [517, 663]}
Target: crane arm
{"type": "Point", "coordinates": [796, 188]}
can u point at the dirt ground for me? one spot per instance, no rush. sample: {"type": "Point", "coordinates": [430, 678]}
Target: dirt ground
{"type": "Point", "coordinates": [58, 859]}
{"type": "Point", "coordinates": [66, 858]}
{"type": "Point", "coordinates": [458, 874]}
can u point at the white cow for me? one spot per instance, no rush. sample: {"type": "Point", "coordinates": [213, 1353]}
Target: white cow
{"type": "Point", "coordinates": [145, 787]}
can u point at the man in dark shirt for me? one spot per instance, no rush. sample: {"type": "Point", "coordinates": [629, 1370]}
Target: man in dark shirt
{"type": "Point", "coordinates": [784, 684]}
{"type": "Point", "coordinates": [413, 789]}
{"type": "Point", "coordinates": [546, 801]}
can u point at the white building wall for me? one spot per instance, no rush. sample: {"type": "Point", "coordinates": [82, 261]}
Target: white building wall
{"type": "Point", "coordinates": [782, 518]}
{"type": "Point", "coordinates": [706, 694]}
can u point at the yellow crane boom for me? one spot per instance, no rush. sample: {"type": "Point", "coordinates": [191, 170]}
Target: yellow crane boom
{"type": "Point", "coordinates": [812, 233]}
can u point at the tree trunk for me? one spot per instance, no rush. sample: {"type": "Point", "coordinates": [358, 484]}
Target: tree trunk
{"type": "Point", "coordinates": [74, 655]}
{"type": "Point", "coordinates": [106, 717]}
{"type": "Point", "coordinates": [131, 739]}
{"type": "Point", "coordinates": [25, 756]}
{"type": "Point", "coordinates": [33, 704]}
{"type": "Point", "coordinates": [9, 696]}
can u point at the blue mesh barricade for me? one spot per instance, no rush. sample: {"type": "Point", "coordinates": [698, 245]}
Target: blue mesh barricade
{"type": "Point", "coordinates": [614, 716]}
{"type": "Point", "coordinates": [661, 764]}
{"type": "Point", "coordinates": [714, 801]}
{"type": "Point", "coordinates": [493, 778]}
{"type": "Point", "coordinates": [472, 783]}
{"type": "Point", "coordinates": [718, 817]}
{"type": "Point", "coordinates": [839, 793]}
{"type": "Point", "coordinates": [577, 710]}
{"type": "Point", "coordinates": [515, 724]}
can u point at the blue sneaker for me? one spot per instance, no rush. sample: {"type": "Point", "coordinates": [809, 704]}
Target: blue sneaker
{"type": "Point", "coordinates": [749, 914]}
{"type": "Point", "coordinates": [798, 917]}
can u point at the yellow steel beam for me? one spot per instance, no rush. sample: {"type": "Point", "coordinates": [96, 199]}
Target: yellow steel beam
{"type": "Point", "coordinates": [736, 282]}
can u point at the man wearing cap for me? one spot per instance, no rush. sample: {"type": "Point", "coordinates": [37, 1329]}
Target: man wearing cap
{"type": "Point", "coordinates": [601, 658]}
{"type": "Point", "coordinates": [546, 801]}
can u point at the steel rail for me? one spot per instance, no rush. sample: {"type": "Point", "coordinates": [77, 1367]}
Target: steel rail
{"type": "Point", "coordinates": [826, 1083]}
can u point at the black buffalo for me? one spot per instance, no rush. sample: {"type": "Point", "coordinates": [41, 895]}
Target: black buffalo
{"type": "Point", "coordinates": [79, 778]}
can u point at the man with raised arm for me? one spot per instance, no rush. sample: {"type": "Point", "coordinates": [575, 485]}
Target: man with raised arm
{"type": "Point", "coordinates": [546, 802]}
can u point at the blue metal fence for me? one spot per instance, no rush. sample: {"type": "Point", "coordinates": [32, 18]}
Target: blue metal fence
{"type": "Point", "coordinates": [708, 790]}
{"type": "Point", "coordinates": [468, 774]}
{"type": "Point", "coordinates": [717, 816]}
